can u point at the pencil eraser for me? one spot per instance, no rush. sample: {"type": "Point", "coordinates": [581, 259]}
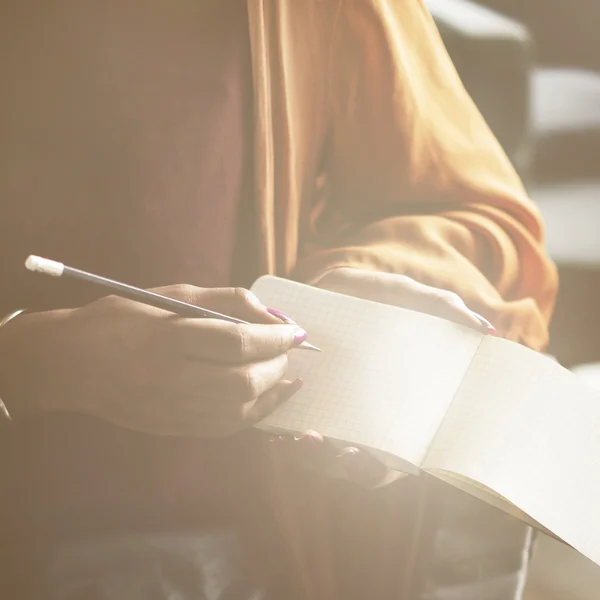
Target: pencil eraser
{"type": "Point", "coordinates": [44, 265]}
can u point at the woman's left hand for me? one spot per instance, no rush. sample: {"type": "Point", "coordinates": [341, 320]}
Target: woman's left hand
{"type": "Point", "coordinates": [311, 449]}
{"type": "Point", "coordinates": [402, 291]}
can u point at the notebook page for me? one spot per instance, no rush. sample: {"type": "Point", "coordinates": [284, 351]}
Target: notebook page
{"type": "Point", "coordinates": [385, 376]}
{"type": "Point", "coordinates": [485, 494]}
{"type": "Point", "coordinates": [529, 430]}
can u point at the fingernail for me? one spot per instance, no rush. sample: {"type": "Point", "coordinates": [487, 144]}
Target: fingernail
{"type": "Point", "coordinates": [348, 455]}
{"type": "Point", "coordinates": [351, 460]}
{"type": "Point", "coordinates": [291, 389]}
{"type": "Point", "coordinates": [309, 437]}
{"type": "Point", "coordinates": [490, 329]}
{"type": "Point", "coordinates": [300, 337]}
{"type": "Point", "coordinates": [309, 447]}
{"type": "Point", "coordinates": [281, 316]}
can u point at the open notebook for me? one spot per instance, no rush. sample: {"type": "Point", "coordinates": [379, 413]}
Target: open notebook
{"type": "Point", "coordinates": [489, 416]}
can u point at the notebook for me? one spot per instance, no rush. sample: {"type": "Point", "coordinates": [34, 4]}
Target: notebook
{"type": "Point", "coordinates": [491, 417]}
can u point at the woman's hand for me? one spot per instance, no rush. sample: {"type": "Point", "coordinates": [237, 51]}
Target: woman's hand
{"type": "Point", "coordinates": [148, 370]}
{"type": "Point", "coordinates": [310, 449]}
{"type": "Point", "coordinates": [402, 291]}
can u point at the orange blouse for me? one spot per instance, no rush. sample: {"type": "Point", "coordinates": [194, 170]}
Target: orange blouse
{"type": "Point", "coordinates": [369, 153]}
{"type": "Point", "coordinates": [411, 179]}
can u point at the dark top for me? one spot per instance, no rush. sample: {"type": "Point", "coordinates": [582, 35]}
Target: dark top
{"type": "Point", "coordinates": [125, 150]}
{"type": "Point", "coordinates": [126, 132]}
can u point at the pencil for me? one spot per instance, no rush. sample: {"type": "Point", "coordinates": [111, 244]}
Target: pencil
{"type": "Point", "coordinates": [178, 307]}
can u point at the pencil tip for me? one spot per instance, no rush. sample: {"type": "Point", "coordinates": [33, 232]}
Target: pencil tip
{"type": "Point", "coordinates": [308, 346]}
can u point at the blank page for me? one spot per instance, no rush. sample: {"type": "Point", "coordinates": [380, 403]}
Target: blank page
{"type": "Point", "coordinates": [385, 376]}
{"type": "Point", "coordinates": [528, 429]}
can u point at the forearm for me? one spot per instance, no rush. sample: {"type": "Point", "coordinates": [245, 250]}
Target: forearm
{"type": "Point", "coordinates": [417, 183]}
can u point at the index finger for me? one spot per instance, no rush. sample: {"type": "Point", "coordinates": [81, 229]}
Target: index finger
{"type": "Point", "coordinates": [231, 343]}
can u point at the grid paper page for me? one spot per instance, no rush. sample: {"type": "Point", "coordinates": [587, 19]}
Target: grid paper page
{"type": "Point", "coordinates": [385, 377]}
{"type": "Point", "coordinates": [530, 430]}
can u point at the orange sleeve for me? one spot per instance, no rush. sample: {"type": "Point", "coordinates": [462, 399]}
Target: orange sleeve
{"type": "Point", "coordinates": [416, 182]}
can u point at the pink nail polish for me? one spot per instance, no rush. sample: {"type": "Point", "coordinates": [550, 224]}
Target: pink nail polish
{"type": "Point", "coordinates": [309, 438]}
{"type": "Point", "coordinates": [300, 337]}
{"type": "Point", "coordinates": [281, 316]}
{"type": "Point", "coordinates": [490, 329]}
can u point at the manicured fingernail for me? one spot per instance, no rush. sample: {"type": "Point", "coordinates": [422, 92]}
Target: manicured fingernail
{"type": "Point", "coordinates": [281, 316]}
{"type": "Point", "coordinates": [490, 329]}
{"type": "Point", "coordinates": [352, 461]}
{"type": "Point", "coordinates": [291, 389]}
{"type": "Point", "coordinates": [300, 336]}
{"type": "Point", "coordinates": [348, 455]}
{"type": "Point", "coordinates": [309, 437]}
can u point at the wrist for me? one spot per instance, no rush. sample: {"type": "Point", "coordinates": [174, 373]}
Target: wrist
{"type": "Point", "coordinates": [29, 358]}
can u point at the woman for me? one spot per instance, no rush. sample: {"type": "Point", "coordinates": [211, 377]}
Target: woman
{"type": "Point", "coordinates": [206, 143]}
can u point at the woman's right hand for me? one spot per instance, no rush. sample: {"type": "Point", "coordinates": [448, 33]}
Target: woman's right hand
{"type": "Point", "coordinates": [145, 369]}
